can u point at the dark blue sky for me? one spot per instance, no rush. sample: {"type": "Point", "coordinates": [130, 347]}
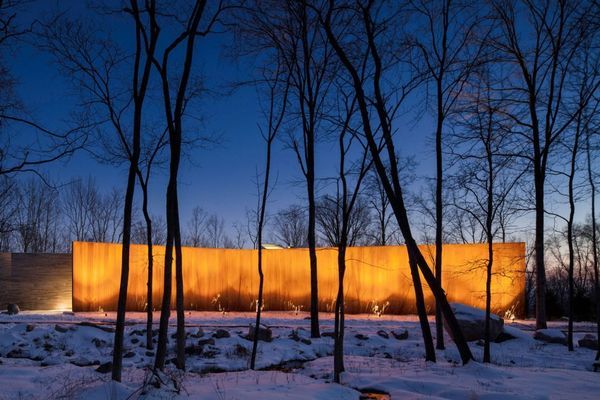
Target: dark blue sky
{"type": "Point", "coordinates": [220, 179]}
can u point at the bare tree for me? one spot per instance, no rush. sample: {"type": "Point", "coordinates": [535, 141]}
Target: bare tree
{"type": "Point", "coordinates": [289, 226]}
{"type": "Point", "coordinates": [26, 144]}
{"type": "Point", "coordinates": [278, 84]}
{"type": "Point", "coordinates": [538, 59]}
{"type": "Point", "coordinates": [7, 212]}
{"type": "Point", "coordinates": [594, 229]}
{"type": "Point", "coordinates": [485, 178]}
{"type": "Point", "coordinates": [330, 216]}
{"type": "Point", "coordinates": [450, 53]}
{"type": "Point", "coordinates": [343, 24]}
{"type": "Point", "coordinates": [37, 217]}
{"type": "Point", "coordinates": [78, 202]}
{"type": "Point", "coordinates": [95, 63]}
{"type": "Point", "coordinates": [197, 227]}
{"type": "Point", "coordinates": [106, 220]}
{"type": "Point", "coordinates": [215, 231]}
{"type": "Point", "coordinates": [348, 216]}
{"type": "Point", "coordinates": [174, 101]}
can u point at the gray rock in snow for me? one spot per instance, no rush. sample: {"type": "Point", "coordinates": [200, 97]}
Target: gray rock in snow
{"type": "Point", "coordinates": [472, 322]}
{"type": "Point", "coordinates": [12, 309]}
{"type": "Point", "coordinates": [60, 328]}
{"type": "Point", "coordinates": [383, 334]}
{"type": "Point", "coordinates": [105, 368]}
{"type": "Point", "coordinates": [400, 335]}
{"type": "Point", "coordinates": [551, 336]}
{"type": "Point", "coordinates": [221, 333]}
{"type": "Point", "coordinates": [264, 333]}
{"type": "Point", "coordinates": [589, 341]}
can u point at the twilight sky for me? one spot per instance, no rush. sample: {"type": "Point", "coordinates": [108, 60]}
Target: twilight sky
{"type": "Point", "coordinates": [220, 179]}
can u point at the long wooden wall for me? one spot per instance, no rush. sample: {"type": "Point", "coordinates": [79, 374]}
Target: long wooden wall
{"type": "Point", "coordinates": [36, 281]}
{"type": "Point", "coordinates": [227, 278]}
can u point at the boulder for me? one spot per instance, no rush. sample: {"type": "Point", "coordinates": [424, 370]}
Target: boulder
{"type": "Point", "coordinates": [84, 362]}
{"type": "Point", "coordinates": [472, 322]}
{"type": "Point", "coordinates": [60, 328]}
{"type": "Point", "coordinates": [383, 334]}
{"type": "Point", "coordinates": [199, 333]}
{"type": "Point", "coordinates": [221, 333]}
{"type": "Point", "coordinates": [105, 368]}
{"type": "Point", "coordinates": [263, 333]}
{"type": "Point", "coordinates": [589, 341]}
{"type": "Point", "coordinates": [29, 327]}
{"type": "Point", "coordinates": [12, 309]}
{"type": "Point", "coordinates": [204, 342]}
{"type": "Point", "coordinates": [551, 336]}
{"type": "Point", "coordinates": [403, 335]}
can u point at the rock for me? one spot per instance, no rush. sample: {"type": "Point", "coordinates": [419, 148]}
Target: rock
{"type": "Point", "coordinates": [108, 329]}
{"type": "Point", "coordinates": [264, 333]}
{"type": "Point", "coordinates": [83, 362]}
{"type": "Point", "coordinates": [60, 328]}
{"type": "Point", "coordinates": [360, 336]}
{"type": "Point", "coordinates": [383, 334]}
{"type": "Point", "coordinates": [69, 353]}
{"type": "Point", "coordinates": [149, 353]}
{"type": "Point", "coordinates": [551, 336]}
{"type": "Point", "coordinates": [328, 334]}
{"type": "Point", "coordinates": [472, 322]}
{"type": "Point", "coordinates": [105, 368]}
{"type": "Point", "coordinates": [52, 360]}
{"type": "Point", "coordinates": [12, 309]}
{"type": "Point", "coordinates": [18, 353]}
{"type": "Point", "coordinates": [137, 332]}
{"type": "Point", "coordinates": [221, 333]}
{"type": "Point", "coordinates": [193, 350]}
{"type": "Point", "coordinates": [295, 336]}
{"type": "Point", "coordinates": [204, 342]}
{"type": "Point", "coordinates": [129, 354]}
{"type": "Point", "coordinates": [135, 340]}
{"type": "Point", "coordinates": [589, 341]}
{"type": "Point", "coordinates": [99, 342]}
{"type": "Point", "coordinates": [400, 335]}
{"type": "Point", "coordinates": [199, 333]}
{"type": "Point", "coordinates": [503, 337]}
{"type": "Point", "coordinates": [29, 328]}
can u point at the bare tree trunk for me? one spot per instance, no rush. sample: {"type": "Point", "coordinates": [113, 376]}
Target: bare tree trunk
{"type": "Point", "coordinates": [312, 249]}
{"type": "Point", "coordinates": [540, 269]}
{"type": "Point", "coordinates": [594, 238]}
{"type": "Point", "coordinates": [117, 363]}
{"type": "Point", "coordinates": [439, 326]}
{"type": "Point", "coordinates": [570, 223]}
{"type": "Point", "coordinates": [488, 300]}
{"type": "Point", "coordinates": [149, 248]}
{"type": "Point", "coordinates": [165, 310]}
{"type": "Point", "coordinates": [338, 334]}
{"type": "Point", "coordinates": [179, 301]}
{"type": "Point", "coordinates": [421, 310]}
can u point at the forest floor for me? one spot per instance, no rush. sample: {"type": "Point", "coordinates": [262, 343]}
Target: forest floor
{"type": "Point", "coordinates": [52, 355]}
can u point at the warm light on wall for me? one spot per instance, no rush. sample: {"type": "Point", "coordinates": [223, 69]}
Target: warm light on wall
{"type": "Point", "coordinates": [227, 278]}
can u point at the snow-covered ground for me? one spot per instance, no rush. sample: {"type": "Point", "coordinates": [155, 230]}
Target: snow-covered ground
{"type": "Point", "coordinates": [54, 356]}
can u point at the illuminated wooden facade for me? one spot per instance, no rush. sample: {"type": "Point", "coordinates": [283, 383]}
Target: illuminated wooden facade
{"type": "Point", "coordinates": [227, 278]}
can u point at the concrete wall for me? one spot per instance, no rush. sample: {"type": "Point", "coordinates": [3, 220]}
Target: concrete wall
{"type": "Point", "coordinates": [227, 278]}
{"type": "Point", "coordinates": [36, 281]}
